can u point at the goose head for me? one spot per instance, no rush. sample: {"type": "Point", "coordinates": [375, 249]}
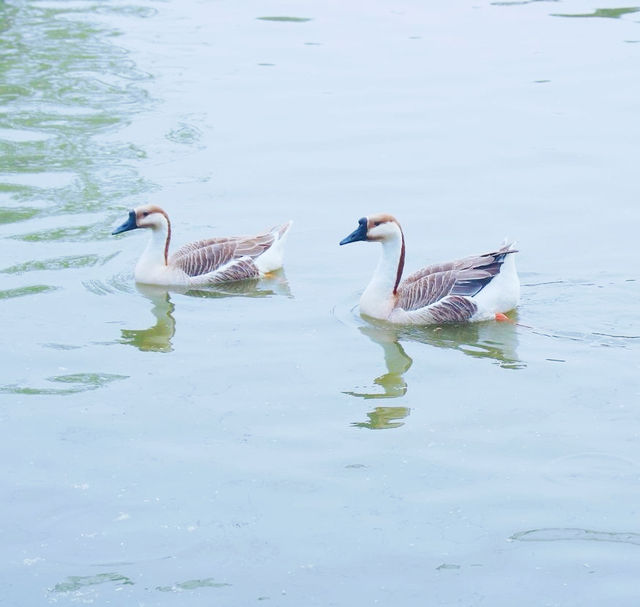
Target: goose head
{"type": "Point", "coordinates": [375, 228]}
{"type": "Point", "coordinates": [146, 216]}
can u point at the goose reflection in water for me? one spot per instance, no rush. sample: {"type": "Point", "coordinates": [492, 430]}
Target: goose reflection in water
{"type": "Point", "coordinates": [383, 418]}
{"type": "Point", "coordinates": [392, 382]}
{"type": "Point", "coordinates": [396, 360]}
{"type": "Point", "coordinates": [496, 341]}
{"type": "Point", "coordinates": [158, 338]}
{"type": "Point", "coordinates": [490, 340]}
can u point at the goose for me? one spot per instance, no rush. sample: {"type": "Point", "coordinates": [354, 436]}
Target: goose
{"type": "Point", "coordinates": [476, 288]}
{"type": "Point", "coordinates": [205, 262]}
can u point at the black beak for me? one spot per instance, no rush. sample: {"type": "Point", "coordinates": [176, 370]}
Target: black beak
{"type": "Point", "coordinates": [360, 233]}
{"type": "Point", "coordinates": [130, 224]}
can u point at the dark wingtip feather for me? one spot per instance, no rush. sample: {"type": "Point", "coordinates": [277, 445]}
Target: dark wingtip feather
{"type": "Point", "coordinates": [489, 267]}
{"type": "Point", "coordinates": [472, 286]}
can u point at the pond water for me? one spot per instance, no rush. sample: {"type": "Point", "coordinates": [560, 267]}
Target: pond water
{"type": "Point", "coordinates": [262, 442]}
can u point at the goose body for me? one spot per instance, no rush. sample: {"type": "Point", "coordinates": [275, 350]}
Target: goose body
{"type": "Point", "coordinates": [475, 288]}
{"type": "Point", "coordinates": [205, 262]}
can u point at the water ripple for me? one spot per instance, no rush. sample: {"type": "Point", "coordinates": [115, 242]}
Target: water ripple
{"type": "Point", "coordinates": [78, 582]}
{"type": "Point", "coordinates": [59, 263]}
{"type": "Point", "coordinates": [563, 534]}
{"type": "Point", "coordinates": [76, 382]}
{"type": "Point", "coordinates": [604, 13]}
{"type": "Point", "coordinates": [185, 134]}
{"type": "Point", "coordinates": [13, 215]}
{"type": "Point", "coordinates": [119, 283]}
{"type": "Point", "coordinates": [28, 290]}
{"type": "Point", "coordinates": [65, 81]}
{"type": "Point", "coordinates": [285, 19]}
{"type": "Point", "coordinates": [192, 585]}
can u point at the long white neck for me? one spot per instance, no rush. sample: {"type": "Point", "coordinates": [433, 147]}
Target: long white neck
{"type": "Point", "coordinates": [378, 298]}
{"type": "Point", "coordinates": [156, 253]}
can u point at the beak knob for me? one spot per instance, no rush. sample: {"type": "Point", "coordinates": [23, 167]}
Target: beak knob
{"type": "Point", "coordinates": [130, 224]}
{"type": "Point", "coordinates": [360, 233]}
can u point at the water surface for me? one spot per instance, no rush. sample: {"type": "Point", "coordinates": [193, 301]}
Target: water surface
{"type": "Point", "coordinates": [261, 441]}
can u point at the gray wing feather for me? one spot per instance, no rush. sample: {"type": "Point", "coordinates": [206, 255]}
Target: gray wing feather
{"type": "Point", "coordinates": [188, 249]}
{"type": "Point", "coordinates": [238, 269]}
{"type": "Point", "coordinates": [451, 309]}
{"type": "Point", "coordinates": [431, 289]}
{"type": "Point", "coordinates": [204, 260]}
{"type": "Point", "coordinates": [426, 290]}
{"type": "Point", "coordinates": [252, 247]}
{"type": "Point", "coordinates": [438, 267]}
{"type": "Point", "coordinates": [466, 263]}
{"type": "Point", "coordinates": [205, 256]}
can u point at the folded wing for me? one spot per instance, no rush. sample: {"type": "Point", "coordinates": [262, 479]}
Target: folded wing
{"type": "Point", "coordinates": [442, 292]}
{"type": "Point", "coordinates": [231, 258]}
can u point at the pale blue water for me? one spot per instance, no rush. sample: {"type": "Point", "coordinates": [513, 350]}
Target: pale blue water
{"type": "Point", "coordinates": [264, 443]}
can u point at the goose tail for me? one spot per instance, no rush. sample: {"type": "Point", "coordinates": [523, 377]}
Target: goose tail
{"type": "Point", "coordinates": [502, 292]}
{"type": "Point", "coordinates": [273, 257]}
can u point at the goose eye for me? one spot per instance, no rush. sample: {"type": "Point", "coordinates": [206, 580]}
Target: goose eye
{"type": "Point", "coordinates": [145, 213]}
{"type": "Point", "coordinates": [377, 223]}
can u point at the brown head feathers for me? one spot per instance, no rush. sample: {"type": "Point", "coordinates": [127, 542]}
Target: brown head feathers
{"type": "Point", "coordinates": [377, 220]}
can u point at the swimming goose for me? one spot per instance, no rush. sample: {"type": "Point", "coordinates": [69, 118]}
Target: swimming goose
{"type": "Point", "coordinates": [480, 287]}
{"type": "Point", "coordinates": [205, 262]}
